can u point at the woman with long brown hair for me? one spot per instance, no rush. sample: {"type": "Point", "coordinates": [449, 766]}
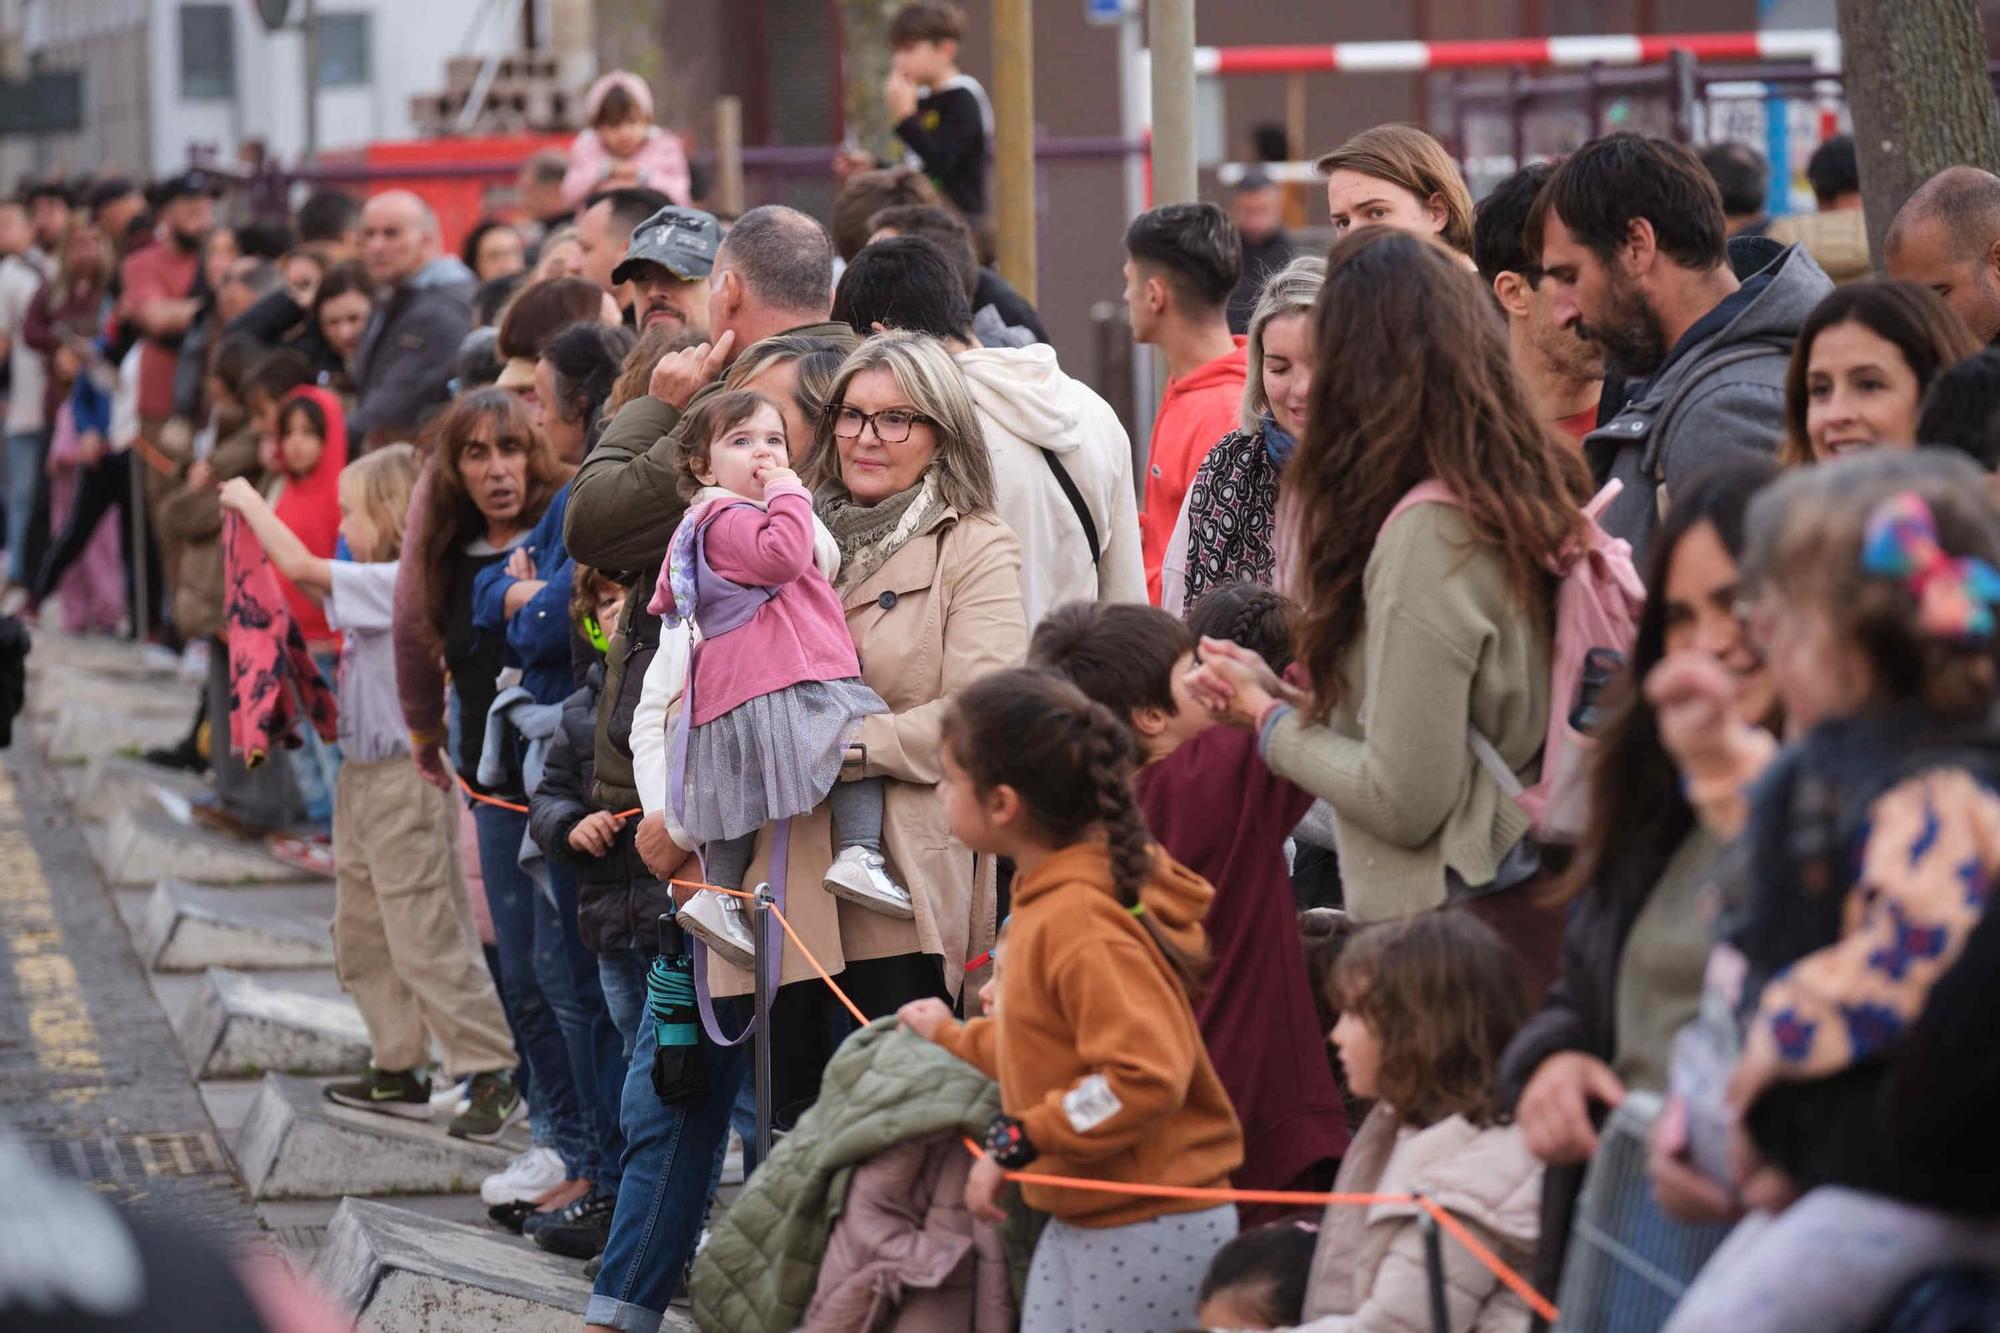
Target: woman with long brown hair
{"type": "Point", "coordinates": [1421, 629]}
{"type": "Point", "coordinates": [489, 479]}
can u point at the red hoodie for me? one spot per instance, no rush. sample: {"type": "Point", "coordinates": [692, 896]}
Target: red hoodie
{"type": "Point", "coordinates": [1197, 410]}
{"type": "Point", "coordinates": [310, 505]}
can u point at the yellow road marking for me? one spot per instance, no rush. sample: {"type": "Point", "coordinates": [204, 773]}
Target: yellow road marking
{"type": "Point", "coordinates": [59, 1021]}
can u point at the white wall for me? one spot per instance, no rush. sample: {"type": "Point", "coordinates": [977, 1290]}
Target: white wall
{"type": "Point", "coordinates": [411, 41]}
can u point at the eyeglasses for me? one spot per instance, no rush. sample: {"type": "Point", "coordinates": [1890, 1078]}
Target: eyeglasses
{"type": "Point", "coordinates": [892, 424]}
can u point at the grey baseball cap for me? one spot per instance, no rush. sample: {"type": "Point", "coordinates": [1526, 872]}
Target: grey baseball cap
{"type": "Point", "coordinates": [681, 240]}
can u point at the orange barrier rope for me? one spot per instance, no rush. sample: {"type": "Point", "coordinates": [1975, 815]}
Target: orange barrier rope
{"type": "Point", "coordinates": [1512, 1280]}
{"type": "Point", "coordinates": [484, 799]}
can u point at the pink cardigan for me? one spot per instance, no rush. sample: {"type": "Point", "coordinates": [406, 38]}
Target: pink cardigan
{"type": "Point", "coordinates": [799, 635]}
{"type": "Point", "coordinates": [661, 160]}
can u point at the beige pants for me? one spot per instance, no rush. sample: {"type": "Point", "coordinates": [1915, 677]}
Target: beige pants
{"type": "Point", "coordinates": [403, 938]}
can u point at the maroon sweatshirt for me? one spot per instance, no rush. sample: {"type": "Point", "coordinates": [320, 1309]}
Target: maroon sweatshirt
{"type": "Point", "coordinates": [1219, 811]}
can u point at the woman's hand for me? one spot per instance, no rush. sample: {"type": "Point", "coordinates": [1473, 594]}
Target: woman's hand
{"type": "Point", "coordinates": [238, 496]}
{"type": "Point", "coordinates": [520, 563]}
{"type": "Point", "coordinates": [1554, 1114]}
{"type": "Point", "coordinates": [594, 833]}
{"type": "Point", "coordinates": [657, 848]}
{"type": "Point", "coordinates": [924, 1017]}
{"type": "Point", "coordinates": [200, 476]}
{"type": "Point", "coordinates": [1681, 1190]}
{"type": "Point", "coordinates": [429, 759]}
{"type": "Point", "coordinates": [1694, 696]}
{"type": "Point", "coordinates": [982, 1190]}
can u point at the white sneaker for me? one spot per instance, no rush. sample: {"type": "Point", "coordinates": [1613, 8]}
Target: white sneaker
{"type": "Point", "coordinates": [451, 1099]}
{"type": "Point", "coordinates": [525, 1179]}
{"type": "Point", "coordinates": [719, 922]}
{"type": "Point", "coordinates": [194, 660]}
{"type": "Point", "coordinates": [862, 878]}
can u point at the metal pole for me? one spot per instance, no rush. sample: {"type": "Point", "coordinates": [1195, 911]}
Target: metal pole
{"type": "Point", "coordinates": [1172, 32]}
{"type": "Point", "coordinates": [1014, 146]}
{"type": "Point", "coordinates": [1434, 1270]}
{"type": "Point", "coordinates": [729, 154]}
{"type": "Point", "coordinates": [309, 32]}
{"type": "Point", "coordinates": [135, 512]}
{"type": "Point", "coordinates": [760, 929]}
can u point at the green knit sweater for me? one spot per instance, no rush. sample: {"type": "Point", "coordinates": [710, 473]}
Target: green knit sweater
{"type": "Point", "coordinates": [1446, 646]}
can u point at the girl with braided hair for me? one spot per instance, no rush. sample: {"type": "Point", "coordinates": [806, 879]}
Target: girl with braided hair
{"type": "Point", "coordinates": [1102, 1070]}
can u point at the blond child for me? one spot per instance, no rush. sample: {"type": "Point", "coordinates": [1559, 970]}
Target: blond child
{"type": "Point", "coordinates": [404, 942]}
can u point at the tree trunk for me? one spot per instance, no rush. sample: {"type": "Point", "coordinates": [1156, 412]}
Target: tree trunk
{"type": "Point", "coordinates": [864, 39]}
{"type": "Point", "coordinates": [1922, 99]}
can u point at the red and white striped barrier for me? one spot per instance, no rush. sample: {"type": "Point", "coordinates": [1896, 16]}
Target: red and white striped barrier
{"type": "Point", "coordinates": [1819, 45]}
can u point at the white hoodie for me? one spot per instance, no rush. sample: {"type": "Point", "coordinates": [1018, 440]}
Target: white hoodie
{"type": "Point", "coordinates": [1027, 405]}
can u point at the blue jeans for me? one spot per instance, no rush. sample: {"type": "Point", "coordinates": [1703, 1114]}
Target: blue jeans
{"type": "Point", "coordinates": [510, 898]}
{"type": "Point", "coordinates": [624, 975]}
{"type": "Point", "coordinates": [673, 1155]}
{"type": "Point", "coordinates": [567, 972]}
{"type": "Point", "coordinates": [24, 476]}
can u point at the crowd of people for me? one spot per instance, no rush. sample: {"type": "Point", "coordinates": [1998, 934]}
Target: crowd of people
{"type": "Point", "coordinates": [1267, 819]}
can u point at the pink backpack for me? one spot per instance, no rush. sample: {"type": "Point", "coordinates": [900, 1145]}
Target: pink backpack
{"type": "Point", "coordinates": [1597, 607]}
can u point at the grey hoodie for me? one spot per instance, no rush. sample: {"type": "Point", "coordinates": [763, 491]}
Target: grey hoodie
{"type": "Point", "coordinates": [1721, 398]}
{"type": "Point", "coordinates": [1030, 413]}
{"type": "Point", "coordinates": [404, 365]}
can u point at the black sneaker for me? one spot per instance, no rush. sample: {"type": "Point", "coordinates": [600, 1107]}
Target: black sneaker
{"type": "Point", "coordinates": [184, 757]}
{"type": "Point", "coordinates": [512, 1215]}
{"type": "Point", "coordinates": [493, 1103]}
{"type": "Point", "coordinates": [580, 1231]}
{"type": "Point", "coordinates": [388, 1091]}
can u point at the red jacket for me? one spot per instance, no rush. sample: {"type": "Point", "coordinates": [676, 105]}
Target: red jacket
{"type": "Point", "coordinates": [1197, 410]}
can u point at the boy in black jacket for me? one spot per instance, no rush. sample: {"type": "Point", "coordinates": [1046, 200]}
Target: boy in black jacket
{"type": "Point", "coordinates": [619, 900]}
{"type": "Point", "coordinates": [941, 114]}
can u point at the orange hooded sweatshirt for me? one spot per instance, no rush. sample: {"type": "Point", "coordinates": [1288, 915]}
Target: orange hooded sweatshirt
{"type": "Point", "coordinates": [1095, 1045]}
{"type": "Point", "coordinates": [1196, 411]}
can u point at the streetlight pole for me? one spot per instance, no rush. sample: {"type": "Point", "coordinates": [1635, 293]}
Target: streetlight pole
{"type": "Point", "coordinates": [309, 33]}
{"type": "Point", "coordinates": [1014, 70]}
{"type": "Point", "coordinates": [1171, 35]}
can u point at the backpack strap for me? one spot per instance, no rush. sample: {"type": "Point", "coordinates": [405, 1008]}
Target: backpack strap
{"type": "Point", "coordinates": [1075, 498]}
{"type": "Point", "coordinates": [1430, 492]}
{"type": "Point", "coordinates": [1703, 371]}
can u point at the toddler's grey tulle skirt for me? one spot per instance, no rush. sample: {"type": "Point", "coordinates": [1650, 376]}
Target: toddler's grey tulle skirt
{"type": "Point", "coordinates": [771, 757]}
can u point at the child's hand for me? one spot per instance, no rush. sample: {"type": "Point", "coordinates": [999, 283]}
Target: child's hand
{"type": "Point", "coordinates": [200, 476]}
{"type": "Point", "coordinates": [594, 833]}
{"type": "Point", "coordinates": [924, 1017]}
{"type": "Point", "coordinates": [1231, 690]}
{"type": "Point", "coordinates": [900, 96]}
{"type": "Point", "coordinates": [851, 162]}
{"type": "Point", "coordinates": [239, 495]}
{"type": "Point", "coordinates": [982, 1190]}
{"type": "Point", "coordinates": [767, 477]}
{"type": "Point", "coordinates": [623, 173]}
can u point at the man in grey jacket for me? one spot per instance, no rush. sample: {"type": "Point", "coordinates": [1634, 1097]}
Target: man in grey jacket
{"type": "Point", "coordinates": [1631, 232]}
{"type": "Point", "coordinates": [423, 310]}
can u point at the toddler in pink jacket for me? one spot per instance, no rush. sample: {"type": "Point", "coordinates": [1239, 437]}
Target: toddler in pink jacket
{"type": "Point", "coordinates": [774, 695]}
{"type": "Point", "coordinates": [623, 147]}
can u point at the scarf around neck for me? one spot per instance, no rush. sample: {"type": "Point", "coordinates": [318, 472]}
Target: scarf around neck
{"type": "Point", "coordinates": [869, 535]}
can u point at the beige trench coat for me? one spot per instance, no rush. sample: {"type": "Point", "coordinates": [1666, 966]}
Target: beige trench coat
{"type": "Point", "coordinates": [939, 614]}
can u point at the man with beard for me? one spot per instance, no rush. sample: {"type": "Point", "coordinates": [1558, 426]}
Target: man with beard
{"type": "Point", "coordinates": [1633, 245]}
{"type": "Point", "coordinates": [1947, 237]}
{"type": "Point", "coordinates": [668, 264]}
{"type": "Point", "coordinates": [1564, 374]}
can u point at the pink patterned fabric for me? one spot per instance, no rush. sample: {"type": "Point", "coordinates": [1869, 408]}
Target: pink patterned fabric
{"type": "Point", "coordinates": [93, 589]}
{"type": "Point", "coordinates": [273, 680]}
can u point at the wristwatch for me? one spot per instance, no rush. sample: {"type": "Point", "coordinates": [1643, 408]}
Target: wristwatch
{"type": "Point", "coordinates": [1007, 1142]}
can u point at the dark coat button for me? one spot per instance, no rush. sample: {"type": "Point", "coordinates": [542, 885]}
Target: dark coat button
{"type": "Point", "coordinates": [887, 601]}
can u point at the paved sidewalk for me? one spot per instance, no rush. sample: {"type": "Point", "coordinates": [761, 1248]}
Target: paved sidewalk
{"type": "Point", "coordinates": [90, 1070]}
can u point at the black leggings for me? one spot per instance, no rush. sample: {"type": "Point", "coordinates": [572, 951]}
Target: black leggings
{"type": "Point", "coordinates": [105, 485]}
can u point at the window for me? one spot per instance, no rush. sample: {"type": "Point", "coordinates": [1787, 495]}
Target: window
{"type": "Point", "coordinates": [346, 50]}
{"type": "Point", "coordinates": [208, 52]}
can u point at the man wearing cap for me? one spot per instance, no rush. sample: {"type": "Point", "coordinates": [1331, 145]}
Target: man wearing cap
{"type": "Point", "coordinates": [423, 310]}
{"type": "Point", "coordinates": [668, 263]}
